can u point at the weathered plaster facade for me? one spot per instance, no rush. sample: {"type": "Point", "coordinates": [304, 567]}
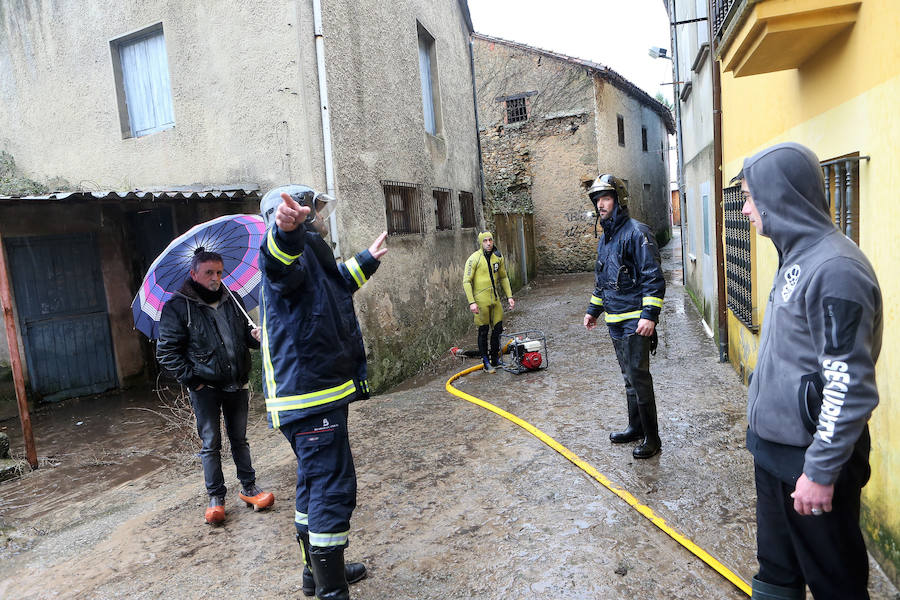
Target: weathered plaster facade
{"type": "Point", "coordinates": [545, 163]}
{"type": "Point", "coordinates": [695, 66]}
{"type": "Point", "coordinates": [245, 94]}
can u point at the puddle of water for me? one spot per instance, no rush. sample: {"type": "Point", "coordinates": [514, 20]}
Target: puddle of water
{"type": "Point", "coordinates": [85, 444]}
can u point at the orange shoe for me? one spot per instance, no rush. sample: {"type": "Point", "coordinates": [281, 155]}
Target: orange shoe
{"type": "Point", "coordinates": [257, 498]}
{"type": "Point", "coordinates": [215, 513]}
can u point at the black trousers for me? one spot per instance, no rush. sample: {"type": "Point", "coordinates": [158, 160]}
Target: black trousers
{"type": "Point", "coordinates": [827, 552]}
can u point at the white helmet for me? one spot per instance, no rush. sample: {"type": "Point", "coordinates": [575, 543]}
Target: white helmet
{"type": "Point", "coordinates": [320, 205]}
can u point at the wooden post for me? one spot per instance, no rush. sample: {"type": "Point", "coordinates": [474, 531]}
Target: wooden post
{"type": "Point", "coordinates": [15, 362]}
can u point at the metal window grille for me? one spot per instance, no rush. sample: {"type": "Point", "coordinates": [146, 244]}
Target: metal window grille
{"type": "Point", "coordinates": [467, 209]}
{"type": "Point", "coordinates": [443, 216]}
{"type": "Point", "coordinates": [516, 110]}
{"type": "Point", "coordinates": [842, 190]}
{"type": "Point", "coordinates": [644, 139]}
{"type": "Point", "coordinates": [721, 13]}
{"type": "Point", "coordinates": [620, 125]}
{"type": "Point", "coordinates": [403, 207]}
{"type": "Point", "coordinates": [738, 265]}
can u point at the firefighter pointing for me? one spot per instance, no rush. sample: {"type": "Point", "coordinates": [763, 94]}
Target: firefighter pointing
{"type": "Point", "coordinates": [630, 289]}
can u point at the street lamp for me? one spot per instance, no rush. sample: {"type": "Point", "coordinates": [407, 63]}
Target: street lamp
{"type": "Point", "coordinates": [657, 52]}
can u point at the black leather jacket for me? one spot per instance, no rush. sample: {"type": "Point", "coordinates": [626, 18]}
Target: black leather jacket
{"type": "Point", "coordinates": [190, 346]}
{"type": "Point", "coordinates": [629, 277]}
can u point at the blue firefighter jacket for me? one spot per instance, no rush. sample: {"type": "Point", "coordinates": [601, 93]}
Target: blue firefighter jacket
{"type": "Point", "coordinates": [312, 348]}
{"type": "Point", "coordinates": [629, 277]}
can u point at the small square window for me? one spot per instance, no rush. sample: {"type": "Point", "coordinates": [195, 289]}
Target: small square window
{"type": "Point", "coordinates": [143, 89]}
{"type": "Point", "coordinates": [443, 217]}
{"type": "Point", "coordinates": [516, 110]}
{"type": "Point", "coordinates": [467, 209]}
{"type": "Point", "coordinates": [620, 126]}
{"type": "Point", "coordinates": [403, 207]}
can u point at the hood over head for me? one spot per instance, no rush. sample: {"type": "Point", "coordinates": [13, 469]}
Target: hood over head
{"type": "Point", "coordinates": [483, 236]}
{"type": "Point", "coordinates": [788, 188]}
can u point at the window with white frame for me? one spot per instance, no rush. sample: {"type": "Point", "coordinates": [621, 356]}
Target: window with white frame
{"type": "Point", "coordinates": [143, 89]}
{"type": "Point", "coordinates": [429, 80]}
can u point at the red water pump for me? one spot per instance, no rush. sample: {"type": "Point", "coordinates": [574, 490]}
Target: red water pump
{"type": "Point", "coordinates": [527, 351]}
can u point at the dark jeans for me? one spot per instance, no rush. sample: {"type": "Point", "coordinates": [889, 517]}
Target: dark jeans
{"type": "Point", "coordinates": [827, 552]}
{"type": "Point", "coordinates": [326, 477]}
{"type": "Point", "coordinates": [208, 404]}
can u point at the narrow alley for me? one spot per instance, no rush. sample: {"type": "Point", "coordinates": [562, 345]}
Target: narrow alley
{"type": "Point", "coordinates": [454, 502]}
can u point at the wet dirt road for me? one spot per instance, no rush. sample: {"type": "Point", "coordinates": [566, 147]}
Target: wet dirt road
{"type": "Point", "coordinates": [454, 501]}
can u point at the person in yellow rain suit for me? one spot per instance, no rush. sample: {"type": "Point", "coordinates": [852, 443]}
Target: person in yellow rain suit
{"type": "Point", "coordinates": [484, 276]}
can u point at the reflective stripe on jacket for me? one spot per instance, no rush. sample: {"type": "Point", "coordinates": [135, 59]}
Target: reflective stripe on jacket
{"type": "Point", "coordinates": [313, 355]}
{"type": "Point", "coordinates": [629, 282]}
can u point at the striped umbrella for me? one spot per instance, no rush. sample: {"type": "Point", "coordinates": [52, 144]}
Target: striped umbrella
{"type": "Point", "coordinates": [235, 237]}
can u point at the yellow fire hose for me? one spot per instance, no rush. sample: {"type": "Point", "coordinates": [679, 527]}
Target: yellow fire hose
{"type": "Point", "coordinates": [646, 511]}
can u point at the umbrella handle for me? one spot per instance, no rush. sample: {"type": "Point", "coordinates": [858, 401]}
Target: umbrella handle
{"type": "Point", "coordinates": [241, 308]}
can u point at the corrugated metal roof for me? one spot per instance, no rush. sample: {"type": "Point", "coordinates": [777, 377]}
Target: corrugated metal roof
{"type": "Point", "coordinates": [175, 193]}
{"type": "Point", "coordinates": [603, 71]}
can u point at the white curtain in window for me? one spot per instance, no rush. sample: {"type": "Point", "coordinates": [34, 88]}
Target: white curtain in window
{"type": "Point", "coordinates": [145, 77]}
{"type": "Point", "coordinates": [427, 92]}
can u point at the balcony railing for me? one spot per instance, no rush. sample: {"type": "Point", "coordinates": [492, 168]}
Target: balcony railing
{"type": "Point", "coordinates": [721, 13]}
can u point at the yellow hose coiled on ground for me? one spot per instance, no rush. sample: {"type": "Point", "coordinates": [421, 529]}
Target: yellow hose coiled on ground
{"type": "Point", "coordinates": [646, 511]}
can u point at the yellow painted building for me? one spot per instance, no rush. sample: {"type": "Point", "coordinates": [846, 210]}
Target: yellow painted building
{"type": "Point", "coordinates": [826, 74]}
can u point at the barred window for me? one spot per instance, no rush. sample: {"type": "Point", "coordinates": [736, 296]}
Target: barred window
{"type": "Point", "coordinates": [842, 190]}
{"type": "Point", "coordinates": [443, 217]}
{"type": "Point", "coordinates": [738, 264]}
{"type": "Point", "coordinates": [403, 207]}
{"type": "Point", "coordinates": [467, 209]}
{"type": "Point", "coordinates": [516, 110]}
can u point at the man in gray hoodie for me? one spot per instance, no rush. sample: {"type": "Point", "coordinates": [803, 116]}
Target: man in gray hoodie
{"type": "Point", "coordinates": [813, 389]}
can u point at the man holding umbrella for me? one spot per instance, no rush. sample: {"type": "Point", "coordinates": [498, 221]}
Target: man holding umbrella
{"type": "Point", "coordinates": [205, 340]}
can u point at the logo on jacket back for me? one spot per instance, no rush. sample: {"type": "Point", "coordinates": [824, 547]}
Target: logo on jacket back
{"type": "Point", "coordinates": [791, 277]}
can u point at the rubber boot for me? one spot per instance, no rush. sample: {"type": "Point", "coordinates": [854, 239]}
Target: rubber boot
{"type": "Point", "coordinates": [257, 498]}
{"type": "Point", "coordinates": [635, 430]}
{"type": "Point", "coordinates": [327, 566]}
{"type": "Point", "coordinates": [768, 591]}
{"type": "Point", "coordinates": [353, 572]}
{"type": "Point", "coordinates": [215, 513]}
{"type": "Point", "coordinates": [495, 344]}
{"type": "Point", "coordinates": [651, 444]}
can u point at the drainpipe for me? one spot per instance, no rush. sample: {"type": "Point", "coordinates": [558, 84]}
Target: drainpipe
{"type": "Point", "coordinates": [477, 130]}
{"type": "Point", "coordinates": [15, 363]}
{"type": "Point", "coordinates": [326, 120]}
{"type": "Point", "coordinates": [721, 303]}
{"type": "Point", "coordinates": [678, 142]}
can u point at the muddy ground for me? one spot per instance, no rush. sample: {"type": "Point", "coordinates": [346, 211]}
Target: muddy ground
{"type": "Point", "coordinates": [454, 501]}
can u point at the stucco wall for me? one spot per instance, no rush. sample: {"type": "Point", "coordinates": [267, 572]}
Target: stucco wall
{"type": "Point", "coordinates": [242, 80]}
{"type": "Point", "coordinates": [804, 105]}
{"type": "Point", "coordinates": [545, 164]}
{"type": "Point", "coordinates": [245, 95]}
{"type": "Point", "coordinates": [700, 275]}
{"type": "Point", "coordinates": [379, 135]}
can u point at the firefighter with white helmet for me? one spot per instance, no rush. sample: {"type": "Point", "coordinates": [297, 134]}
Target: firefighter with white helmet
{"type": "Point", "coordinates": [629, 288]}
